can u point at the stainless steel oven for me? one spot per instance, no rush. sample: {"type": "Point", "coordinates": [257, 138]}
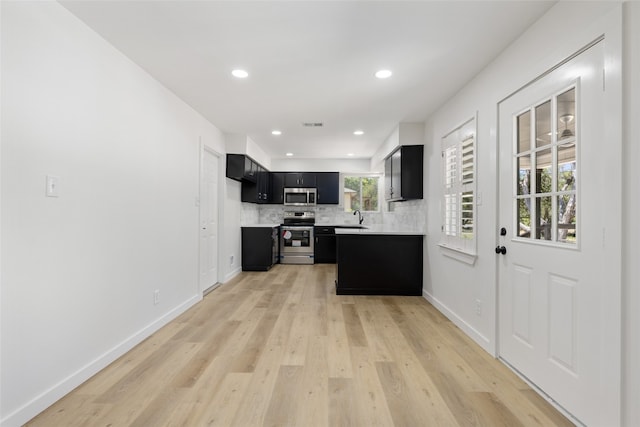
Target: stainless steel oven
{"type": "Point", "coordinates": [296, 238]}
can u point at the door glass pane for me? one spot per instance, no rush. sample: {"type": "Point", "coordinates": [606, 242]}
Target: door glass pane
{"type": "Point", "coordinates": [543, 213]}
{"type": "Point", "coordinates": [524, 175]}
{"type": "Point", "coordinates": [543, 124]}
{"type": "Point", "coordinates": [566, 115]}
{"type": "Point", "coordinates": [566, 167]}
{"type": "Point", "coordinates": [524, 217]}
{"type": "Point", "coordinates": [524, 132]}
{"type": "Point", "coordinates": [543, 171]}
{"type": "Point", "coordinates": [567, 218]}
{"type": "Point", "coordinates": [546, 171]}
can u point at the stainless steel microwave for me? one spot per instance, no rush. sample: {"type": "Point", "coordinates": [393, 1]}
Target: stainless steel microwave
{"type": "Point", "coordinates": [300, 196]}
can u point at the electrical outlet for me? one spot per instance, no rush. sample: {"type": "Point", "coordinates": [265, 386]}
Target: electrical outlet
{"type": "Point", "coordinates": [231, 260]}
{"type": "Point", "coordinates": [156, 297]}
{"type": "Point", "coordinates": [478, 307]}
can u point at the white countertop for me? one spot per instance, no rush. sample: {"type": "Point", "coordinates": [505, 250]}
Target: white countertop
{"type": "Point", "coordinates": [380, 229]}
{"type": "Point", "coordinates": [260, 225]}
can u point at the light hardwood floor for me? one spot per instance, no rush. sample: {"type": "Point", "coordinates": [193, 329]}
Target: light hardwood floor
{"type": "Point", "coordinates": [281, 349]}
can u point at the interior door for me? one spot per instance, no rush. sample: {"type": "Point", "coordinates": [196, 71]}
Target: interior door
{"type": "Point", "coordinates": [209, 220]}
{"type": "Point", "coordinates": [552, 181]}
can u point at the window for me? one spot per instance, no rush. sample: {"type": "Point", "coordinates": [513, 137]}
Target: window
{"type": "Point", "coordinates": [361, 192]}
{"type": "Point", "coordinates": [459, 188]}
{"type": "Point", "coordinates": [546, 171]}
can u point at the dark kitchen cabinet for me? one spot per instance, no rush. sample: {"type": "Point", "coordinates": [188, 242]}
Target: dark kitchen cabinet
{"type": "Point", "coordinates": [241, 167]}
{"type": "Point", "coordinates": [379, 264]}
{"type": "Point", "coordinates": [276, 195]}
{"type": "Point", "coordinates": [300, 179]}
{"type": "Point", "coordinates": [255, 179]}
{"type": "Point", "coordinates": [258, 191]}
{"type": "Point", "coordinates": [259, 248]}
{"type": "Point", "coordinates": [325, 245]}
{"type": "Point", "coordinates": [328, 185]}
{"type": "Point", "coordinates": [403, 170]}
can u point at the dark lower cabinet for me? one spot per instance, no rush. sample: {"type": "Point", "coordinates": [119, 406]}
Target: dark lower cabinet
{"type": "Point", "coordinates": [325, 245]}
{"type": "Point", "coordinates": [259, 248]}
{"type": "Point", "coordinates": [379, 264]}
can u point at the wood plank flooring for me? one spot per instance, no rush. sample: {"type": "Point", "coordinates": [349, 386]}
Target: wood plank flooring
{"type": "Point", "coordinates": [281, 349]}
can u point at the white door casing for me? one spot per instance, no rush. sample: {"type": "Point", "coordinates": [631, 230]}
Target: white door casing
{"type": "Point", "coordinates": [552, 317]}
{"type": "Point", "coordinates": [209, 211]}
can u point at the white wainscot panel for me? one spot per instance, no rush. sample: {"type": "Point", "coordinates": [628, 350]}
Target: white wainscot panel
{"type": "Point", "coordinates": [521, 303]}
{"type": "Point", "coordinates": [562, 314]}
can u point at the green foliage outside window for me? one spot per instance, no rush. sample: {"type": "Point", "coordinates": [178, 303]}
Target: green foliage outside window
{"type": "Point", "coordinates": [360, 193]}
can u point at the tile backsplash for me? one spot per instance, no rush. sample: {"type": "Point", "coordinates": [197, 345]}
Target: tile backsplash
{"type": "Point", "coordinates": [411, 214]}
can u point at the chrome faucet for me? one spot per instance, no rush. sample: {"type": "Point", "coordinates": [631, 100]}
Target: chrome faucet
{"type": "Point", "coordinates": [360, 218]}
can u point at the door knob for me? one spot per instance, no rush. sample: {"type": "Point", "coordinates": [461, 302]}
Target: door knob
{"type": "Point", "coordinates": [501, 250]}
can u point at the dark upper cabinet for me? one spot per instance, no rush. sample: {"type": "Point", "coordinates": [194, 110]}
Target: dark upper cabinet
{"type": "Point", "coordinates": [276, 195]}
{"type": "Point", "coordinates": [261, 186]}
{"type": "Point", "coordinates": [328, 185]}
{"type": "Point", "coordinates": [300, 179]}
{"type": "Point", "coordinates": [258, 191]}
{"type": "Point", "coordinates": [241, 167]}
{"type": "Point", "coordinates": [403, 170]}
{"type": "Point", "coordinates": [255, 179]}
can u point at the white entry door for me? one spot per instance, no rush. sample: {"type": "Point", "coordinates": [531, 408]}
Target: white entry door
{"type": "Point", "coordinates": [552, 184]}
{"type": "Point", "coordinates": [209, 220]}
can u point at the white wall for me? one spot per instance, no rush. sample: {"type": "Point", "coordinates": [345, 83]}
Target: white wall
{"type": "Point", "coordinates": [79, 271]}
{"type": "Point", "coordinates": [404, 134]}
{"type": "Point", "coordinates": [320, 165]}
{"type": "Point", "coordinates": [454, 286]}
{"type": "Point", "coordinates": [631, 207]}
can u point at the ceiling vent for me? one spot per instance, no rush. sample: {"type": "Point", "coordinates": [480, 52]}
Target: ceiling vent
{"type": "Point", "coordinates": [312, 124]}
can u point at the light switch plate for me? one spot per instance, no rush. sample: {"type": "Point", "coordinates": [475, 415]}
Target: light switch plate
{"type": "Point", "coordinates": [53, 184]}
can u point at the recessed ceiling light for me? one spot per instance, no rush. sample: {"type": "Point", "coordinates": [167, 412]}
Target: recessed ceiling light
{"type": "Point", "coordinates": [350, 154]}
{"type": "Point", "coordinates": [358, 132]}
{"type": "Point", "coordinates": [289, 154]}
{"type": "Point", "coordinates": [383, 74]}
{"type": "Point", "coordinates": [240, 74]}
{"type": "Point", "coordinates": [276, 132]}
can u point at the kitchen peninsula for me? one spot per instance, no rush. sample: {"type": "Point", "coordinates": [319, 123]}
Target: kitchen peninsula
{"type": "Point", "coordinates": [379, 261]}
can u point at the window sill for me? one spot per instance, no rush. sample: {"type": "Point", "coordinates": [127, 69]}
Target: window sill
{"type": "Point", "coordinates": [458, 254]}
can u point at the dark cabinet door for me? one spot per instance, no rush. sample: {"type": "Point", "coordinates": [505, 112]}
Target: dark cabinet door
{"type": "Point", "coordinates": [388, 189]}
{"type": "Point", "coordinates": [258, 248]}
{"type": "Point", "coordinates": [250, 169]}
{"type": "Point", "coordinates": [396, 174]}
{"type": "Point", "coordinates": [242, 168]}
{"type": "Point", "coordinates": [300, 179]}
{"type": "Point", "coordinates": [264, 185]}
{"type": "Point", "coordinates": [235, 166]}
{"type": "Point", "coordinates": [276, 194]}
{"type": "Point", "coordinates": [328, 185]}
{"type": "Point", "coordinates": [325, 245]}
{"type": "Point", "coordinates": [403, 173]}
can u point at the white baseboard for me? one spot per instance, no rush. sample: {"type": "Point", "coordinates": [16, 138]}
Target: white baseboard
{"type": "Point", "coordinates": [232, 274]}
{"type": "Point", "coordinates": [473, 333]}
{"type": "Point", "coordinates": [55, 393]}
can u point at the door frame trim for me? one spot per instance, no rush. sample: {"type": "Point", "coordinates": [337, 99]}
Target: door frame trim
{"type": "Point", "coordinates": [204, 149]}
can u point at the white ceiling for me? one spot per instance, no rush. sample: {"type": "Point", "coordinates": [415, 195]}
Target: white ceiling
{"type": "Point", "coordinates": [311, 61]}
